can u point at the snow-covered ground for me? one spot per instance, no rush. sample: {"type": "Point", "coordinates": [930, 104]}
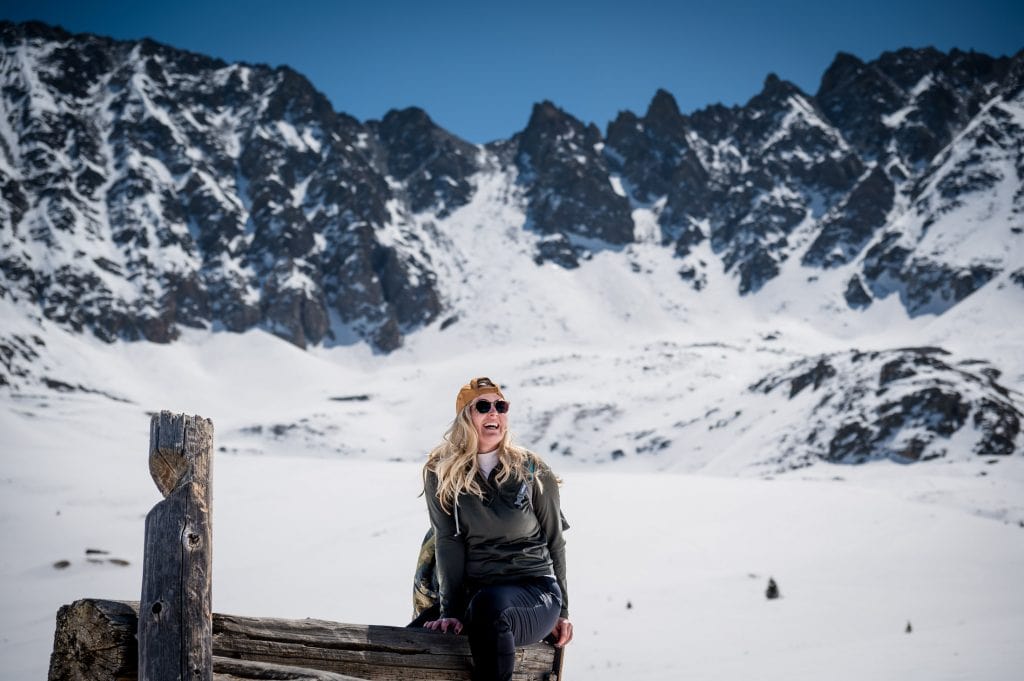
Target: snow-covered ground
{"type": "Point", "coordinates": [671, 545]}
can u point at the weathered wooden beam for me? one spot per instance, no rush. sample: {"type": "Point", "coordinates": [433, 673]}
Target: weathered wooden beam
{"type": "Point", "coordinates": [175, 622]}
{"type": "Point", "coordinates": [96, 643]}
{"type": "Point", "coordinates": [367, 651]}
{"type": "Point", "coordinates": [228, 669]}
{"type": "Point", "coordinates": [95, 640]}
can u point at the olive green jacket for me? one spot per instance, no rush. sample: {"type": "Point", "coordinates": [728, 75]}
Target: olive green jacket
{"type": "Point", "coordinates": [514, 531]}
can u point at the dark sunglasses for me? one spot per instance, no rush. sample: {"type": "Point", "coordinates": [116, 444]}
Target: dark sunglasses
{"type": "Point", "coordinates": [483, 406]}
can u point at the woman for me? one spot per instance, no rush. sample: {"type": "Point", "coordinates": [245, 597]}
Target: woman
{"type": "Point", "coordinates": [494, 509]}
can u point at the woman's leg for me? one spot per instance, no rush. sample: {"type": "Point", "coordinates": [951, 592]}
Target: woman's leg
{"type": "Point", "coordinates": [504, 616]}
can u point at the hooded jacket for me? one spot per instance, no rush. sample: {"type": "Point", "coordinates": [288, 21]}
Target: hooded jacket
{"type": "Point", "coordinates": [514, 531]}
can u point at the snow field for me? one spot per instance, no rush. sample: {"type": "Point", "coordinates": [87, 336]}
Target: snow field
{"type": "Point", "coordinates": [336, 538]}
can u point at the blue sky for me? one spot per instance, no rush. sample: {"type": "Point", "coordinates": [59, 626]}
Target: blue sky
{"type": "Point", "coordinates": [478, 67]}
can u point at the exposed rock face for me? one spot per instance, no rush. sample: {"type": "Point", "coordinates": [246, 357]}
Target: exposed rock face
{"type": "Point", "coordinates": [856, 219]}
{"type": "Point", "coordinates": [433, 165]}
{"type": "Point", "coordinates": [568, 188]}
{"type": "Point", "coordinates": [902, 405]}
{"type": "Point", "coordinates": [195, 192]}
{"type": "Point", "coordinates": [147, 189]}
{"type": "Point", "coordinates": [909, 104]}
{"type": "Point", "coordinates": [753, 173]}
{"type": "Point", "coordinates": [655, 159]}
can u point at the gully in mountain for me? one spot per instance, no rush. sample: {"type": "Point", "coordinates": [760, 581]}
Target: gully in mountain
{"type": "Point", "coordinates": [494, 510]}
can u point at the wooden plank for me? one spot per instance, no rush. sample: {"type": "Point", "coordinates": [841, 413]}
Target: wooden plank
{"type": "Point", "coordinates": [176, 623]}
{"type": "Point", "coordinates": [379, 653]}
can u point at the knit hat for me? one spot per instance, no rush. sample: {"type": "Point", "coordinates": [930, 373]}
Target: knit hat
{"type": "Point", "coordinates": [474, 389]}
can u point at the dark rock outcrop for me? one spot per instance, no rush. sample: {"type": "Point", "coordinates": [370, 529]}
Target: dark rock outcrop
{"type": "Point", "coordinates": [567, 185]}
{"type": "Point", "coordinates": [901, 404]}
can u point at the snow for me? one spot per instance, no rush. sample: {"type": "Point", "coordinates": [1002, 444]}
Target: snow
{"type": "Point", "coordinates": [646, 224]}
{"type": "Point", "coordinates": [616, 182]}
{"type": "Point", "coordinates": [897, 118]}
{"type": "Point", "coordinates": [801, 114]}
{"type": "Point", "coordinates": [292, 137]}
{"type": "Point", "coordinates": [667, 569]}
{"type": "Point", "coordinates": [922, 86]}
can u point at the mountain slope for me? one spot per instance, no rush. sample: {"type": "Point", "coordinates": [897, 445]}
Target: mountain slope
{"type": "Point", "coordinates": [149, 190]}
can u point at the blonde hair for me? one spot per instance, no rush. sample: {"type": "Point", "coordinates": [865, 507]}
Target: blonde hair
{"type": "Point", "coordinates": [454, 461]}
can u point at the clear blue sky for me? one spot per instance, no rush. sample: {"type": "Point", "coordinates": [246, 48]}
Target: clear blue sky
{"type": "Point", "coordinates": [478, 67]}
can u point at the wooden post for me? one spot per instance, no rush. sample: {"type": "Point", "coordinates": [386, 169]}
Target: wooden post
{"type": "Point", "coordinates": [175, 613]}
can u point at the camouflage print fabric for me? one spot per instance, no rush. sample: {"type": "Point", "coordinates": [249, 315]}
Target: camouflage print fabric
{"type": "Point", "coordinates": [424, 591]}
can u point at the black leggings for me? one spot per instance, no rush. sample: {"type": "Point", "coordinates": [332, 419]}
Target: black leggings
{"type": "Point", "coordinates": [504, 616]}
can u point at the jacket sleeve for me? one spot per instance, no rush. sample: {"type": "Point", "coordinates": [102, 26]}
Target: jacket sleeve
{"type": "Point", "coordinates": [450, 551]}
{"type": "Point", "coordinates": [547, 505]}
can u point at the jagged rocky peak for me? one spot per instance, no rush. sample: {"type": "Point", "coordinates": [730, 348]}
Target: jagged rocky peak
{"type": "Point", "coordinates": [777, 102]}
{"type": "Point", "coordinates": [296, 100]}
{"type": "Point", "coordinates": [433, 164]}
{"type": "Point", "coordinates": [655, 158]}
{"type": "Point", "coordinates": [788, 129]}
{"type": "Point", "coordinates": [785, 165]}
{"type": "Point", "coordinates": [551, 130]}
{"type": "Point", "coordinates": [570, 198]}
{"type": "Point", "coordinates": [843, 69]}
{"type": "Point", "coordinates": [663, 112]}
{"type": "Point", "coordinates": [912, 100]}
{"type": "Point", "coordinates": [775, 89]}
{"type": "Point", "coordinates": [147, 188]}
{"type": "Point", "coordinates": [231, 195]}
{"type": "Point", "coordinates": [855, 97]}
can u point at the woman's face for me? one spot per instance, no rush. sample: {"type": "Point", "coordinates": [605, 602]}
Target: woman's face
{"type": "Point", "coordinates": [490, 427]}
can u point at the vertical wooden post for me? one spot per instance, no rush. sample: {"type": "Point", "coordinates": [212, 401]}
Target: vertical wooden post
{"type": "Point", "coordinates": [175, 614]}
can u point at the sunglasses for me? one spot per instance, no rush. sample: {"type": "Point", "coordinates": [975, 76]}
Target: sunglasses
{"type": "Point", "coordinates": [483, 406]}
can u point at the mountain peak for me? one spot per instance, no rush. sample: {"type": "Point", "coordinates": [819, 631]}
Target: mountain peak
{"type": "Point", "coordinates": [546, 114]}
{"type": "Point", "coordinates": [844, 67]}
{"type": "Point", "coordinates": [777, 87]}
{"type": "Point", "coordinates": [663, 106]}
{"type": "Point", "coordinates": [409, 116]}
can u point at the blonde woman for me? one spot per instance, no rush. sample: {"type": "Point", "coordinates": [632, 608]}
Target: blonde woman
{"type": "Point", "coordinates": [494, 509]}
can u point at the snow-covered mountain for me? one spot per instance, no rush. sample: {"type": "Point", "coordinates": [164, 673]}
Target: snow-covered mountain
{"type": "Point", "coordinates": [149, 189]}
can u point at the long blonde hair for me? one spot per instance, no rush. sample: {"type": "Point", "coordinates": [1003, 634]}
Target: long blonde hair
{"type": "Point", "coordinates": [454, 461]}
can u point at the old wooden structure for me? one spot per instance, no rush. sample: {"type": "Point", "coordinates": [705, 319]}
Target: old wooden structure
{"type": "Point", "coordinates": [172, 632]}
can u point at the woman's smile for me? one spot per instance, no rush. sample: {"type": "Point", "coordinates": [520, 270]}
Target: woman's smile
{"type": "Point", "coordinates": [490, 427]}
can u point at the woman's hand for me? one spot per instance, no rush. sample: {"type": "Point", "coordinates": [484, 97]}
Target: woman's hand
{"type": "Point", "coordinates": [444, 624]}
{"type": "Point", "coordinates": [562, 632]}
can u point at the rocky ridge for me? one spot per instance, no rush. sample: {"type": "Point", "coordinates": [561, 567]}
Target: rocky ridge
{"type": "Point", "coordinates": [148, 189]}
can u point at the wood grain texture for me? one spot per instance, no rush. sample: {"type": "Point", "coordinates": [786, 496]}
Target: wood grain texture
{"type": "Point", "coordinates": [175, 618]}
{"type": "Point", "coordinates": [227, 669]}
{"type": "Point", "coordinates": [95, 639]}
